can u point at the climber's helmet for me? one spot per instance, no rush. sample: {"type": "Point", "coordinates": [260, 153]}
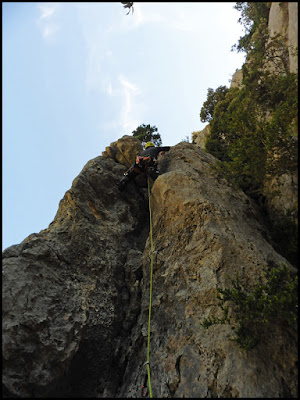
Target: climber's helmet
{"type": "Point", "coordinates": [149, 144]}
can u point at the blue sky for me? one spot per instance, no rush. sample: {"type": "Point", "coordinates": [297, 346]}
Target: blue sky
{"type": "Point", "coordinates": [78, 76]}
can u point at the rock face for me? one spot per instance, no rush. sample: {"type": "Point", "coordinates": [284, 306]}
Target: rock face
{"type": "Point", "coordinates": [124, 150]}
{"type": "Point", "coordinates": [76, 295]}
{"type": "Point", "coordinates": [283, 20]}
{"type": "Point", "coordinates": [237, 78]}
{"type": "Point", "coordinates": [200, 137]}
{"type": "Point", "coordinates": [281, 195]}
{"type": "Point", "coordinates": [71, 291]}
{"type": "Point", "coordinates": [203, 231]}
{"type": "Point", "coordinates": [281, 192]}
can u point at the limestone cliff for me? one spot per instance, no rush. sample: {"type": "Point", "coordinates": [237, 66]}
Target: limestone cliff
{"type": "Point", "coordinates": [283, 20]}
{"type": "Point", "coordinates": [279, 190]}
{"type": "Point", "coordinates": [76, 295]}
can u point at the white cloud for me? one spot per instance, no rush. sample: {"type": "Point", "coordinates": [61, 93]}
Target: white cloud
{"type": "Point", "coordinates": [109, 90]}
{"type": "Point", "coordinates": [94, 74]}
{"type": "Point", "coordinates": [192, 17]}
{"type": "Point", "coordinates": [46, 10]}
{"type": "Point", "coordinates": [47, 20]}
{"type": "Point", "coordinates": [129, 92]}
{"type": "Point", "coordinates": [127, 85]}
{"type": "Point", "coordinates": [49, 30]}
{"type": "Point", "coordinates": [147, 13]}
{"type": "Point", "coordinates": [182, 16]}
{"type": "Point", "coordinates": [125, 94]}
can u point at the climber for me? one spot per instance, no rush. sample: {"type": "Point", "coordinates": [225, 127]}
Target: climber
{"type": "Point", "coordinates": [146, 163]}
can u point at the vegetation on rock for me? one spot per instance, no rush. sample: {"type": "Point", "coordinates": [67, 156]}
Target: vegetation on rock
{"type": "Point", "coordinates": [146, 133]}
{"type": "Point", "coordinates": [254, 128]}
{"type": "Point", "coordinates": [275, 302]}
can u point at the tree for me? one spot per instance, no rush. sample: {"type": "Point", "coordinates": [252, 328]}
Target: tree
{"type": "Point", "coordinates": [129, 5]}
{"type": "Point", "coordinates": [147, 133]}
{"type": "Point", "coordinates": [252, 14]}
{"type": "Point", "coordinates": [213, 97]}
{"type": "Point", "coordinates": [254, 128]}
{"type": "Point", "coordinates": [253, 311]}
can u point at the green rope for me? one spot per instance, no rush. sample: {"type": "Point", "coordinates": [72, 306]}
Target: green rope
{"type": "Point", "coordinates": [151, 273]}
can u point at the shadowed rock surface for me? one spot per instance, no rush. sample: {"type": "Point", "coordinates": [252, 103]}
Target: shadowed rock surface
{"type": "Point", "coordinates": [76, 295]}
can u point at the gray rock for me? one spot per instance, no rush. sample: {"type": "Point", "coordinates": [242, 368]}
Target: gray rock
{"type": "Point", "coordinates": [204, 231]}
{"type": "Point", "coordinates": [66, 292]}
{"type": "Point", "coordinates": [76, 295]}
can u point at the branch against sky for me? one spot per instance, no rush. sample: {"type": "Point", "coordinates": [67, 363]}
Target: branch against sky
{"type": "Point", "coordinates": [129, 5]}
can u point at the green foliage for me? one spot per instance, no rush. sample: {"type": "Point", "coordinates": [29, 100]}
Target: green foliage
{"type": "Point", "coordinates": [281, 129]}
{"type": "Point", "coordinates": [254, 129]}
{"type": "Point", "coordinates": [275, 302]}
{"type": "Point", "coordinates": [147, 133]}
{"type": "Point", "coordinates": [213, 97]}
{"type": "Point", "coordinates": [251, 15]}
{"type": "Point", "coordinates": [236, 139]}
{"type": "Point", "coordinates": [129, 5]}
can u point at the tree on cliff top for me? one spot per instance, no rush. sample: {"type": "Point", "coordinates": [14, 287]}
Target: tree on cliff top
{"type": "Point", "coordinates": [147, 133]}
{"type": "Point", "coordinates": [251, 15]}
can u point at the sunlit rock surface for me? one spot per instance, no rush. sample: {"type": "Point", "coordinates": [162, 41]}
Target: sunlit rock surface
{"type": "Point", "coordinates": [76, 295]}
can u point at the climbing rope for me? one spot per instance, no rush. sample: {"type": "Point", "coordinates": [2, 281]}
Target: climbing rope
{"type": "Point", "coordinates": [150, 300]}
